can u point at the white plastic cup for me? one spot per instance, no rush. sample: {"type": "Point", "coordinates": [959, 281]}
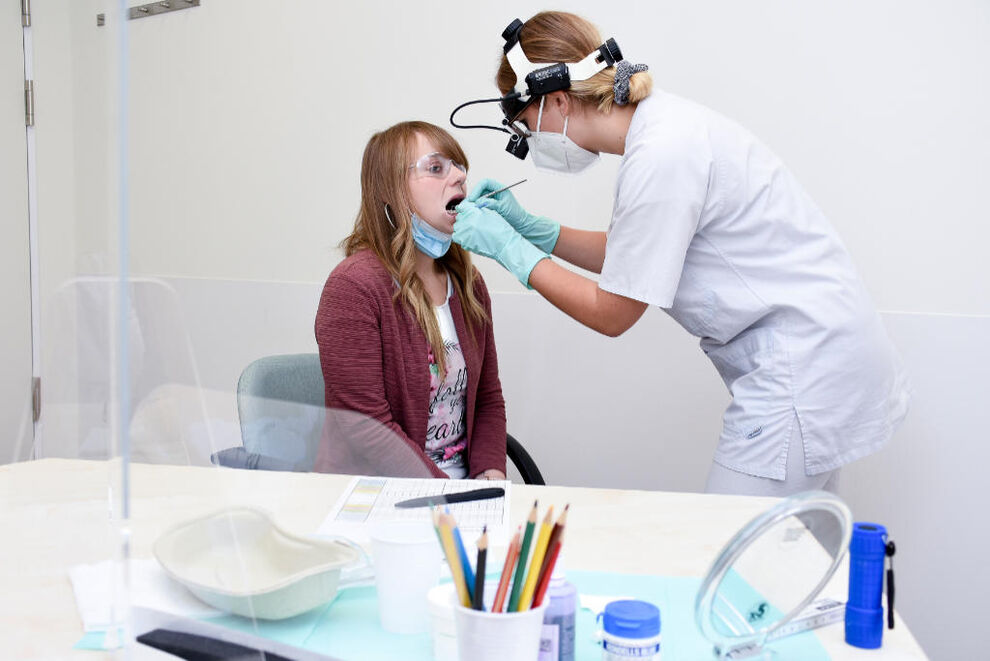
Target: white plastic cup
{"type": "Point", "coordinates": [406, 555]}
{"type": "Point", "coordinates": [487, 636]}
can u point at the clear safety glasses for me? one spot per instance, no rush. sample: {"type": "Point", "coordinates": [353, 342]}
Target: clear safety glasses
{"type": "Point", "coordinates": [434, 165]}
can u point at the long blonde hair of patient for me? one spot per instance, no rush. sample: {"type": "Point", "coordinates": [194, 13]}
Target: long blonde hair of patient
{"type": "Point", "coordinates": [557, 36]}
{"type": "Point", "coordinates": [384, 180]}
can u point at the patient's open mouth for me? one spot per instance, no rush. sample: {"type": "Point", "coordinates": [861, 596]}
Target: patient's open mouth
{"type": "Point", "coordinates": [454, 201]}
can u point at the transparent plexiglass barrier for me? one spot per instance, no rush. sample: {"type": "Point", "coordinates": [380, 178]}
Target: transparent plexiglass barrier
{"type": "Point", "coordinates": [171, 499]}
{"type": "Point", "coordinates": [62, 478]}
{"type": "Point", "coordinates": [232, 528]}
{"type": "Point", "coordinates": [141, 499]}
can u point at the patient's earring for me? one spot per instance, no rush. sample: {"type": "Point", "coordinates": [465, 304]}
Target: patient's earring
{"type": "Point", "coordinates": [388, 216]}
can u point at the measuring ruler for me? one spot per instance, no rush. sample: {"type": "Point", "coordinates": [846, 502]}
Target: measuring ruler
{"type": "Point", "coordinates": [818, 613]}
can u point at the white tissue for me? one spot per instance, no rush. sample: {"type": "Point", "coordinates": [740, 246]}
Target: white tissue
{"type": "Point", "coordinates": [99, 587]}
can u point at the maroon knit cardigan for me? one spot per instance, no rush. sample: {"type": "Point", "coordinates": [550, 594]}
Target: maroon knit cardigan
{"type": "Point", "coordinates": [375, 361]}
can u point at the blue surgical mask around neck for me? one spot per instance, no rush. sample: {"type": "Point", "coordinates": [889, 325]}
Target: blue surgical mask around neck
{"type": "Point", "coordinates": [429, 239]}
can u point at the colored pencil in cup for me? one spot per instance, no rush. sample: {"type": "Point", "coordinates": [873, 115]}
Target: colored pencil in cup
{"type": "Point", "coordinates": [523, 556]}
{"type": "Point", "coordinates": [454, 560]}
{"type": "Point", "coordinates": [479, 581]}
{"type": "Point", "coordinates": [541, 588]}
{"type": "Point", "coordinates": [558, 530]}
{"type": "Point", "coordinates": [510, 561]}
{"type": "Point", "coordinates": [435, 513]}
{"type": "Point", "coordinates": [529, 586]}
{"type": "Point", "coordinates": [459, 544]}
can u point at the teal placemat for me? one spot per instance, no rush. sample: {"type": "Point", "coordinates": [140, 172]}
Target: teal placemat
{"type": "Point", "coordinates": [348, 627]}
{"type": "Point", "coordinates": [674, 596]}
{"type": "Point", "coordinates": [94, 640]}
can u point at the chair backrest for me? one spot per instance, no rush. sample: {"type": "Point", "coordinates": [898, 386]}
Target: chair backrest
{"type": "Point", "coordinates": [280, 403]}
{"type": "Point", "coordinates": [291, 378]}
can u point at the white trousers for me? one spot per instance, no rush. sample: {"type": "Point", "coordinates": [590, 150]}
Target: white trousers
{"type": "Point", "coordinates": [727, 481]}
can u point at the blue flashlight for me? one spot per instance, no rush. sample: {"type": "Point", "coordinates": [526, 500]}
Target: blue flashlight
{"type": "Point", "coordinates": [868, 551]}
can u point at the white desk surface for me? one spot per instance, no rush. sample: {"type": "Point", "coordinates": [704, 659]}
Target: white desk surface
{"type": "Point", "coordinates": [54, 514]}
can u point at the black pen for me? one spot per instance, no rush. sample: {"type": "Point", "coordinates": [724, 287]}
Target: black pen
{"type": "Point", "coordinates": [457, 497]}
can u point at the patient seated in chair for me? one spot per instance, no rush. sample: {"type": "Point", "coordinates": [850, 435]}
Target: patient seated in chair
{"type": "Point", "coordinates": [404, 325]}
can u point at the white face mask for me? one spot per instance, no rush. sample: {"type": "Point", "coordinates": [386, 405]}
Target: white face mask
{"type": "Point", "coordinates": [556, 152]}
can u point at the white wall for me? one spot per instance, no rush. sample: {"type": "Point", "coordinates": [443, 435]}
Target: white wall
{"type": "Point", "coordinates": [927, 486]}
{"type": "Point", "coordinates": [247, 127]}
{"type": "Point", "coordinates": [246, 132]}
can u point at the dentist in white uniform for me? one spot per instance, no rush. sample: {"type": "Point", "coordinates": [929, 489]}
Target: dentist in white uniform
{"type": "Point", "coordinates": [710, 226]}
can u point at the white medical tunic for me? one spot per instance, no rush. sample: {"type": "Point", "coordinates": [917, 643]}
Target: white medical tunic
{"type": "Point", "coordinates": [712, 227]}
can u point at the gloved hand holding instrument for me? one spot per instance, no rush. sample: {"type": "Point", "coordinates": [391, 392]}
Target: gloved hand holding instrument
{"type": "Point", "coordinates": [485, 232]}
{"type": "Point", "coordinates": [538, 230]}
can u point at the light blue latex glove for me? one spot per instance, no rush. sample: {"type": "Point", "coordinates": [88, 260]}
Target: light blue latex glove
{"type": "Point", "coordinates": [538, 230]}
{"type": "Point", "coordinates": [486, 233]}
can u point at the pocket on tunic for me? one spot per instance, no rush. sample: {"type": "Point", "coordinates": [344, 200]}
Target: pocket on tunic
{"type": "Point", "coordinates": [754, 367]}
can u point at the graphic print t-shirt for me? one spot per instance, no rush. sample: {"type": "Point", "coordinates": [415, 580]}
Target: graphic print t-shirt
{"type": "Point", "coordinates": [446, 438]}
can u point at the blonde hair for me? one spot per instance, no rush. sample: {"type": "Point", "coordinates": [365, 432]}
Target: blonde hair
{"type": "Point", "coordinates": [384, 181]}
{"type": "Point", "coordinates": [556, 36]}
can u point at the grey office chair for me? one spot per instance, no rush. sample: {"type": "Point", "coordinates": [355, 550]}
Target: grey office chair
{"type": "Point", "coordinates": [279, 434]}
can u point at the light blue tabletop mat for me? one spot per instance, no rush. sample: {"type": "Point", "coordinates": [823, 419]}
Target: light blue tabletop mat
{"type": "Point", "coordinates": [93, 640]}
{"type": "Point", "coordinates": [674, 596]}
{"type": "Point", "coordinates": [752, 609]}
{"type": "Point", "coordinates": [348, 628]}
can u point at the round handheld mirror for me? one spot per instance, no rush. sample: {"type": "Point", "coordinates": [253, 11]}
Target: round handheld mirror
{"type": "Point", "coordinates": [770, 571]}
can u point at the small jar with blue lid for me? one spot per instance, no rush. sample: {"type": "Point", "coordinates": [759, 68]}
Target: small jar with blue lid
{"type": "Point", "coordinates": [630, 630]}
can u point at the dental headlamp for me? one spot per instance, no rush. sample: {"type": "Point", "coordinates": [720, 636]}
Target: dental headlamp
{"type": "Point", "coordinates": [539, 79]}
